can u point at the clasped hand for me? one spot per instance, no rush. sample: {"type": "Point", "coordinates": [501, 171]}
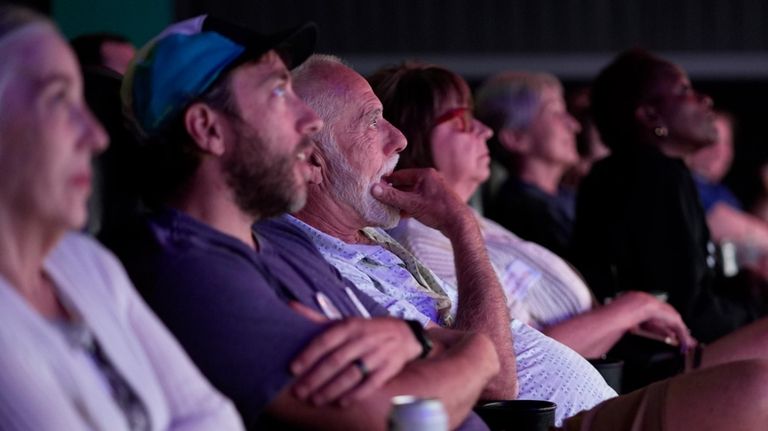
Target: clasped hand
{"type": "Point", "coordinates": [352, 358]}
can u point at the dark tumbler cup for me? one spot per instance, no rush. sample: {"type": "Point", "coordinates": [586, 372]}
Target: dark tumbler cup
{"type": "Point", "coordinates": [612, 371]}
{"type": "Point", "coordinates": [518, 415]}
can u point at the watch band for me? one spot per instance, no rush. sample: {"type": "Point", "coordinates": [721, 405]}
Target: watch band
{"type": "Point", "coordinates": [421, 336]}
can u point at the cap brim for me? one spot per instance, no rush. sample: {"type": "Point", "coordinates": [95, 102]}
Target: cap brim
{"type": "Point", "coordinates": [294, 45]}
{"type": "Point", "coordinates": [298, 45]}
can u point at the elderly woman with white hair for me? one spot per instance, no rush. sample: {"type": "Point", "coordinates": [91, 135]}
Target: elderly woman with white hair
{"type": "Point", "coordinates": [78, 348]}
{"type": "Point", "coordinates": [537, 146]}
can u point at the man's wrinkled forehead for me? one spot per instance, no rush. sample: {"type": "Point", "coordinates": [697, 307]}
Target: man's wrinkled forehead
{"type": "Point", "coordinates": [354, 91]}
{"type": "Point", "coordinates": [343, 86]}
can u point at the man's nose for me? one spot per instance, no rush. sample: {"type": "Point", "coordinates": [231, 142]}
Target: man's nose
{"type": "Point", "coordinates": [397, 141]}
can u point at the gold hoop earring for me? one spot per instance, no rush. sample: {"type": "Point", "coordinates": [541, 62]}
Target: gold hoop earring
{"type": "Point", "coordinates": [661, 131]}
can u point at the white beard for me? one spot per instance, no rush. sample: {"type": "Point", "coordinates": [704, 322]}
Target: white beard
{"type": "Point", "coordinates": [350, 188]}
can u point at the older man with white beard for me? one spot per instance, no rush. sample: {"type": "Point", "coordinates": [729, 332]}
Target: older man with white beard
{"type": "Point", "coordinates": [340, 200]}
{"type": "Point", "coordinates": [353, 194]}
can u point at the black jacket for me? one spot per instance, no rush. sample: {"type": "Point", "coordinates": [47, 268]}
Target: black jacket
{"type": "Point", "coordinates": [640, 226]}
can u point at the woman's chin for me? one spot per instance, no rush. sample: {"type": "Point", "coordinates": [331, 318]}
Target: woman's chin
{"type": "Point", "coordinates": [76, 219]}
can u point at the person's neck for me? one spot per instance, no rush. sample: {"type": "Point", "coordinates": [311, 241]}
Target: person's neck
{"type": "Point", "coordinates": [333, 218]}
{"type": "Point", "coordinates": [213, 203]}
{"type": "Point", "coordinates": [542, 174]}
{"type": "Point", "coordinates": [23, 249]}
{"type": "Point", "coordinates": [675, 150]}
{"type": "Point", "coordinates": [464, 189]}
{"type": "Point", "coordinates": [667, 145]}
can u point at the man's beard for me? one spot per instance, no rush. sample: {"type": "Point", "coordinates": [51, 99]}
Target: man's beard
{"type": "Point", "coordinates": [348, 187]}
{"type": "Point", "coordinates": [262, 182]}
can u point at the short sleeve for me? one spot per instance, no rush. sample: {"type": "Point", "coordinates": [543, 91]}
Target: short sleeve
{"type": "Point", "coordinates": [240, 334]}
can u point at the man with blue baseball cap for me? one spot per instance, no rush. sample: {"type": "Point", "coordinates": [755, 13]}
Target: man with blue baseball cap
{"type": "Point", "coordinates": [267, 320]}
{"type": "Point", "coordinates": [186, 59]}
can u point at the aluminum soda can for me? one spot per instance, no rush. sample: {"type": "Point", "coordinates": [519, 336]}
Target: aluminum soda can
{"type": "Point", "coordinates": [728, 255]}
{"type": "Point", "coordinates": [411, 413]}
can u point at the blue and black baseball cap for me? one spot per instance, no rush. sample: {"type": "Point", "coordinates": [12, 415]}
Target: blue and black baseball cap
{"type": "Point", "coordinates": [183, 61]}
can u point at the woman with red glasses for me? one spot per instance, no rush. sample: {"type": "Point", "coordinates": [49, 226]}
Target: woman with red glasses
{"type": "Point", "coordinates": [439, 111]}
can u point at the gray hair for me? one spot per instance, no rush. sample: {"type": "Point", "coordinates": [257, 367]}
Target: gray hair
{"type": "Point", "coordinates": [512, 99]}
{"type": "Point", "coordinates": [310, 81]}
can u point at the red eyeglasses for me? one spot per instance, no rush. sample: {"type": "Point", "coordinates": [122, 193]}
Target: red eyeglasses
{"type": "Point", "coordinates": [464, 116]}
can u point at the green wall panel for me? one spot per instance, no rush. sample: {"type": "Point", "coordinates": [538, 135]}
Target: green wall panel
{"type": "Point", "coordinates": [138, 20]}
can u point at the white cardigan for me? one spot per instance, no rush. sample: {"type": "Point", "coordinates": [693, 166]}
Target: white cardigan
{"type": "Point", "coordinates": [43, 385]}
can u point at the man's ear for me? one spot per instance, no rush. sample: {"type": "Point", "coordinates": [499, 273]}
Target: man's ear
{"type": "Point", "coordinates": [205, 127]}
{"type": "Point", "coordinates": [647, 116]}
{"type": "Point", "coordinates": [513, 141]}
{"type": "Point", "coordinates": [317, 165]}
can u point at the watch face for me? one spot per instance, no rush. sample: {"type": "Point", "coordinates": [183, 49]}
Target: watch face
{"type": "Point", "coordinates": [421, 336]}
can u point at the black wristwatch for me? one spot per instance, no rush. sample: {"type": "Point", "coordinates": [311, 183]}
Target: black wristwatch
{"type": "Point", "coordinates": [421, 336]}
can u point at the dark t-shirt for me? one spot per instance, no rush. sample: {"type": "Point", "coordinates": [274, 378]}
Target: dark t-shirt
{"type": "Point", "coordinates": [227, 304]}
{"type": "Point", "coordinates": [640, 226]}
{"type": "Point", "coordinates": [535, 215]}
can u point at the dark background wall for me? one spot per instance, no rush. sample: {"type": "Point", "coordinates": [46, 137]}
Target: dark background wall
{"type": "Point", "coordinates": [478, 36]}
{"type": "Point", "coordinates": [39, 5]}
{"type": "Point", "coordinates": [351, 26]}
{"type": "Point", "coordinates": [722, 43]}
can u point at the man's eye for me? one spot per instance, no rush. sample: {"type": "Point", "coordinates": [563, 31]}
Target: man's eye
{"type": "Point", "coordinates": [279, 91]}
{"type": "Point", "coordinates": [374, 123]}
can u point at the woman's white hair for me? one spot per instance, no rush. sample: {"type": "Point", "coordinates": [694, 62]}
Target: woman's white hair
{"type": "Point", "coordinates": [512, 99]}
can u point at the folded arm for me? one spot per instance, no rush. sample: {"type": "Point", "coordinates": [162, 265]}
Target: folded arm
{"type": "Point", "coordinates": [457, 370]}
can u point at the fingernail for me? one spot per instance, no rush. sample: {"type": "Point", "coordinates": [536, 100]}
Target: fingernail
{"type": "Point", "coordinates": [376, 190]}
